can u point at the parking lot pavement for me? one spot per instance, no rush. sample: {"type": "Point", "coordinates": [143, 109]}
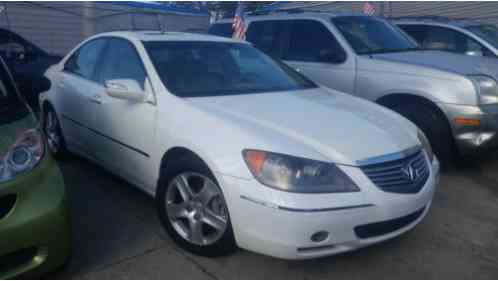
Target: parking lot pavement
{"type": "Point", "coordinates": [116, 234]}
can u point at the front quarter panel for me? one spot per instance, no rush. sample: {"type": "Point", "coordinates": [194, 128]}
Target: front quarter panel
{"type": "Point", "coordinates": [378, 78]}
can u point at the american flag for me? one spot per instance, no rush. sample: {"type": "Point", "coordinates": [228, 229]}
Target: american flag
{"type": "Point", "coordinates": [368, 9]}
{"type": "Point", "coordinates": [239, 25]}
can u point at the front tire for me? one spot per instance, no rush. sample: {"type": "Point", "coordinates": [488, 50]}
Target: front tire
{"type": "Point", "coordinates": [435, 126]}
{"type": "Point", "coordinates": [53, 133]}
{"type": "Point", "coordinates": [192, 209]}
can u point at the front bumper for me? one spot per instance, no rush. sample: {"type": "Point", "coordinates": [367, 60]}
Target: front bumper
{"type": "Point", "coordinates": [35, 230]}
{"type": "Point", "coordinates": [471, 138]}
{"type": "Point", "coordinates": [281, 224]}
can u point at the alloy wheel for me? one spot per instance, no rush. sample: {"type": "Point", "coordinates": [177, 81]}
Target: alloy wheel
{"type": "Point", "coordinates": [196, 209]}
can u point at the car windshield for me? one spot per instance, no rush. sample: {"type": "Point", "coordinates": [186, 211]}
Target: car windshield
{"type": "Point", "coordinates": [487, 32]}
{"type": "Point", "coordinates": [12, 107]}
{"type": "Point", "coordinates": [201, 69]}
{"type": "Point", "coordinates": [369, 35]}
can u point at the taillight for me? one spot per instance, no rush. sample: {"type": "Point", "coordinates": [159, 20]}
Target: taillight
{"type": "Point", "coordinates": [23, 156]}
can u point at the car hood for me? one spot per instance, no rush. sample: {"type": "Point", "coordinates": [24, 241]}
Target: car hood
{"type": "Point", "coordinates": [446, 61]}
{"type": "Point", "coordinates": [342, 128]}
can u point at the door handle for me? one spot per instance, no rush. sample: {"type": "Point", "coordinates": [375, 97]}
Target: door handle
{"type": "Point", "coordinates": [96, 99]}
{"type": "Point", "coordinates": [297, 69]}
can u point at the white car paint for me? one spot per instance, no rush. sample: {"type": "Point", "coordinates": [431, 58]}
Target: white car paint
{"type": "Point", "coordinates": [319, 124]}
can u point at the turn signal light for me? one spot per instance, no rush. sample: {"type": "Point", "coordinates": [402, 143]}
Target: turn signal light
{"type": "Point", "coordinates": [467, 121]}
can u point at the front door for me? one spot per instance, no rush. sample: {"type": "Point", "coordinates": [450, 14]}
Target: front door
{"type": "Point", "coordinates": [126, 128]}
{"type": "Point", "coordinates": [313, 50]}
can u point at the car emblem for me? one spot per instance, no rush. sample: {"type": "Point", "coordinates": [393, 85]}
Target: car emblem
{"type": "Point", "coordinates": [410, 173]}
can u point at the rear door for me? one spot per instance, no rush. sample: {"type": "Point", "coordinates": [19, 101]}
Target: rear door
{"type": "Point", "coordinates": [77, 95]}
{"type": "Point", "coordinates": [126, 128]}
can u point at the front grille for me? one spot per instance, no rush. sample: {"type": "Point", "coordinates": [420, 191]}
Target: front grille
{"type": "Point", "coordinates": [385, 227]}
{"type": "Point", "coordinates": [7, 202]}
{"type": "Point", "coordinates": [406, 175]}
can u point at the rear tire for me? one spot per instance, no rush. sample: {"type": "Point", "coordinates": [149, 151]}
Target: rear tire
{"type": "Point", "coordinates": [53, 132]}
{"type": "Point", "coordinates": [435, 126]}
{"type": "Point", "coordinates": [181, 217]}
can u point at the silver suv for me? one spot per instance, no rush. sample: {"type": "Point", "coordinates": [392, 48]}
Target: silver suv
{"type": "Point", "coordinates": [460, 36]}
{"type": "Point", "coordinates": [452, 98]}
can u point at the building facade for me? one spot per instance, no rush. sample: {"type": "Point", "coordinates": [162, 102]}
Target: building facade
{"type": "Point", "coordinates": [57, 27]}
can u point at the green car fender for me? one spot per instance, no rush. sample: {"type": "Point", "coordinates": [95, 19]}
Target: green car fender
{"type": "Point", "coordinates": [35, 233]}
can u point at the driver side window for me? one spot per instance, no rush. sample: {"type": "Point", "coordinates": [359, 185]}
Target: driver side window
{"type": "Point", "coordinates": [116, 67]}
{"type": "Point", "coordinates": [85, 59]}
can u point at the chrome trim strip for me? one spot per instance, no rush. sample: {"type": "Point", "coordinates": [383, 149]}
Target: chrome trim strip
{"type": "Point", "coordinates": [389, 157]}
{"type": "Point", "coordinates": [325, 209]}
{"type": "Point", "coordinates": [273, 206]}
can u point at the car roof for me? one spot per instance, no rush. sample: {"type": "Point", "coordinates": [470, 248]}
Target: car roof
{"type": "Point", "coordinates": [154, 35]}
{"type": "Point", "coordinates": [295, 15]}
{"type": "Point", "coordinates": [436, 20]}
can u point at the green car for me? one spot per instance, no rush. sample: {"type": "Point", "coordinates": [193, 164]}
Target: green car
{"type": "Point", "coordinates": [34, 218]}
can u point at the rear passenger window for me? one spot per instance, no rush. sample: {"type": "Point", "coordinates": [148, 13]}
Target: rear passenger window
{"type": "Point", "coordinates": [267, 36]}
{"type": "Point", "coordinates": [311, 41]}
{"type": "Point", "coordinates": [122, 62]}
{"type": "Point", "coordinates": [221, 29]}
{"type": "Point", "coordinates": [85, 59]}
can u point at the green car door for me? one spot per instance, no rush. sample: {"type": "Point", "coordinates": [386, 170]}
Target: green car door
{"type": "Point", "coordinates": [34, 218]}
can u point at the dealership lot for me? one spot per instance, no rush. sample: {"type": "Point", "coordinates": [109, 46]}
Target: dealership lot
{"type": "Point", "coordinates": [116, 234]}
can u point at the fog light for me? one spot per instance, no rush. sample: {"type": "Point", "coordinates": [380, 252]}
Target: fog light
{"type": "Point", "coordinates": [319, 236]}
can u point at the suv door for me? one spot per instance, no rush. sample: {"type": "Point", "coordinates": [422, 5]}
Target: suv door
{"type": "Point", "coordinates": [77, 92]}
{"type": "Point", "coordinates": [125, 127]}
{"type": "Point", "coordinates": [446, 39]}
{"type": "Point", "coordinates": [313, 50]}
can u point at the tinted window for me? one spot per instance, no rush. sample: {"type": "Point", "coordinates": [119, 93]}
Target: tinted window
{"type": "Point", "coordinates": [417, 32]}
{"type": "Point", "coordinates": [441, 38]}
{"type": "Point", "coordinates": [114, 65]}
{"type": "Point", "coordinates": [368, 35]}
{"type": "Point", "coordinates": [85, 59]}
{"type": "Point", "coordinates": [311, 41]}
{"type": "Point", "coordinates": [487, 32]}
{"type": "Point", "coordinates": [221, 29]}
{"type": "Point", "coordinates": [199, 69]}
{"type": "Point", "coordinates": [12, 107]}
{"type": "Point", "coordinates": [267, 36]}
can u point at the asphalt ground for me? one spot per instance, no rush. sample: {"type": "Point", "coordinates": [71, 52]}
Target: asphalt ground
{"type": "Point", "coordinates": [117, 235]}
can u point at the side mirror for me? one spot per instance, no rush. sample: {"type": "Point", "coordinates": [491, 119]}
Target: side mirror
{"type": "Point", "coordinates": [475, 53]}
{"type": "Point", "coordinates": [126, 89]}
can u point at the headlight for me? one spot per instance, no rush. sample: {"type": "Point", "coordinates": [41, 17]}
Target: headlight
{"type": "Point", "coordinates": [295, 174]}
{"type": "Point", "coordinates": [426, 145]}
{"type": "Point", "coordinates": [23, 156]}
{"type": "Point", "coordinates": [486, 88]}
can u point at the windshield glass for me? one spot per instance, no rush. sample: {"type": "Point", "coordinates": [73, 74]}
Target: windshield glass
{"type": "Point", "coordinates": [201, 69]}
{"type": "Point", "coordinates": [368, 35]}
{"type": "Point", "coordinates": [487, 32]}
{"type": "Point", "coordinates": [12, 107]}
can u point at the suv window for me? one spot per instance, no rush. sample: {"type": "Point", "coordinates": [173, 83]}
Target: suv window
{"type": "Point", "coordinates": [115, 67]}
{"type": "Point", "coordinates": [311, 41]}
{"type": "Point", "coordinates": [221, 29]}
{"type": "Point", "coordinates": [85, 59]}
{"type": "Point", "coordinates": [442, 38]}
{"type": "Point", "coordinates": [267, 36]}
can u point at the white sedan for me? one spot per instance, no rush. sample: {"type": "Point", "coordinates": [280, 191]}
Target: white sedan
{"type": "Point", "coordinates": [237, 148]}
